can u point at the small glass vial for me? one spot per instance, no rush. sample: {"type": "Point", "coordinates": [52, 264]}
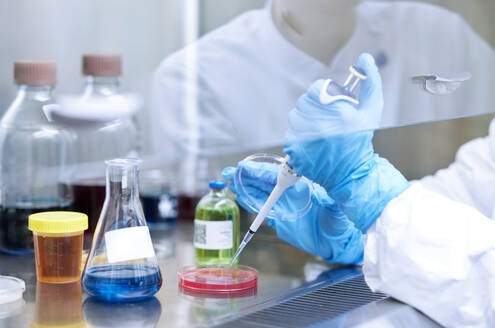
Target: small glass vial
{"type": "Point", "coordinates": [216, 227]}
{"type": "Point", "coordinates": [58, 242]}
{"type": "Point", "coordinates": [332, 91]}
{"type": "Point", "coordinates": [122, 265]}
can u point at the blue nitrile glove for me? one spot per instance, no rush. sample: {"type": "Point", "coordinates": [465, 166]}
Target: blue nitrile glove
{"type": "Point", "coordinates": [324, 231]}
{"type": "Point", "coordinates": [332, 146]}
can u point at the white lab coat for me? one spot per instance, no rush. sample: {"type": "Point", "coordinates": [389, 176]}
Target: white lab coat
{"type": "Point", "coordinates": [433, 247]}
{"type": "Point", "coordinates": [233, 88]}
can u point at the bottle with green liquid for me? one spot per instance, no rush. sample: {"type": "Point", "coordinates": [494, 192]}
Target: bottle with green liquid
{"type": "Point", "coordinates": [216, 226]}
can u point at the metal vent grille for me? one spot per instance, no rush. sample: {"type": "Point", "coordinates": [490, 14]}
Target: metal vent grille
{"type": "Point", "coordinates": [312, 307]}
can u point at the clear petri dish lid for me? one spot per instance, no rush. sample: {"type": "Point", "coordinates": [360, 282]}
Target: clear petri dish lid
{"type": "Point", "coordinates": [294, 203]}
{"type": "Point", "coordinates": [12, 309]}
{"type": "Point", "coordinates": [218, 278]}
{"type": "Point", "coordinates": [11, 289]}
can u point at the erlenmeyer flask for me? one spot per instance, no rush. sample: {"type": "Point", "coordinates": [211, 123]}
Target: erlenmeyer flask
{"type": "Point", "coordinates": [122, 265]}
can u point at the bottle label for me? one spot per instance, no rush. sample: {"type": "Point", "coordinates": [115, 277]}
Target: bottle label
{"type": "Point", "coordinates": [213, 234]}
{"type": "Point", "coordinates": [128, 244]}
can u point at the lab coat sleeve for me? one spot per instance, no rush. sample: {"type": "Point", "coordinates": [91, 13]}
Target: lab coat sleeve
{"type": "Point", "coordinates": [470, 179]}
{"type": "Point", "coordinates": [435, 254]}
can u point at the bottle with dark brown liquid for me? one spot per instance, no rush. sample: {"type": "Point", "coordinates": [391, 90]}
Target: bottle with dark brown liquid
{"type": "Point", "coordinates": [34, 157]}
{"type": "Point", "coordinates": [95, 144]}
{"type": "Point", "coordinates": [89, 196]}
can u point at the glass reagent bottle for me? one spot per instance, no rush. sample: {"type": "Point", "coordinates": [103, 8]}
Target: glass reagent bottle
{"type": "Point", "coordinates": [216, 227]}
{"type": "Point", "coordinates": [34, 157]}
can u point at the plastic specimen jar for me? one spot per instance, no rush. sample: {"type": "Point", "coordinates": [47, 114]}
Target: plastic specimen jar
{"type": "Point", "coordinates": [58, 242]}
{"type": "Point", "coordinates": [221, 278]}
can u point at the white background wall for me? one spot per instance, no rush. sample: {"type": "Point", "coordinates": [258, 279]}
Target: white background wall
{"type": "Point", "coordinates": [62, 30]}
{"type": "Point", "coordinates": [144, 32]}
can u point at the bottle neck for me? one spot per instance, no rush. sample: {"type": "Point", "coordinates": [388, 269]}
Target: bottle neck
{"type": "Point", "coordinates": [218, 193]}
{"type": "Point", "coordinates": [104, 86]}
{"type": "Point", "coordinates": [39, 93]}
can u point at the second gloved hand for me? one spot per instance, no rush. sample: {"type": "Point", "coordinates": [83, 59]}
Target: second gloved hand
{"type": "Point", "coordinates": [331, 144]}
{"type": "Point", "coordinates": [324, 231]}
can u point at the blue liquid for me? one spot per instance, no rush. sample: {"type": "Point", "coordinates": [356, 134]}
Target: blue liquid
{"type": "Point", "coordinates": [122, 283]}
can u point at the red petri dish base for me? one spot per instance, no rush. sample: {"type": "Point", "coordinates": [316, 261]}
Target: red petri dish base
{"type": "Point", "coordinates": [219, 294]}
{"type": "Point", "coordinates": [218, 278]}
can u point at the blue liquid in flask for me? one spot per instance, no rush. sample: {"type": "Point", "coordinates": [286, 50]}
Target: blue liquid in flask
{"type": "Point", "coordinates": [122, 283]}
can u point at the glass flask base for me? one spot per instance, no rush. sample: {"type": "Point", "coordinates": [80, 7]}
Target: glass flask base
{"type": "Point", "coordinates": [122, 283]}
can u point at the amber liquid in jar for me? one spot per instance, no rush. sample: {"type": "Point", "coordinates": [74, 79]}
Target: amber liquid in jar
{"type": "Point", "coordinates": [58, 256]}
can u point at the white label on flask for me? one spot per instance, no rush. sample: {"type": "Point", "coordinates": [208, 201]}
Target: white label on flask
{"type": "Point", "coordinates": [213, 234]}
{"type": "Point", "coordinates": [128, 244]}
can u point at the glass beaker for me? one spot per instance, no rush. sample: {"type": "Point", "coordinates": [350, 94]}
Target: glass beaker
{"type": "Point", "coordinates": [122, 265]}
{"type": "Point", "coordinates": [34, 157]}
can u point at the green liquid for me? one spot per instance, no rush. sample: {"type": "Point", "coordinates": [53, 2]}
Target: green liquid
{"type": "Point", "coordinates": [217, 209]}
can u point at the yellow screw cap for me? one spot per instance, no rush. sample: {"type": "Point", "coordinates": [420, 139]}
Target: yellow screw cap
{"type": "Point", "coordinates": [58, 222]}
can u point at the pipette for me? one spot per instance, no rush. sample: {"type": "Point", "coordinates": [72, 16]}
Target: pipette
{"type": "Point", "coordinates": [331, 91]}
{"type": "Point", "coordinates": [286, 177]}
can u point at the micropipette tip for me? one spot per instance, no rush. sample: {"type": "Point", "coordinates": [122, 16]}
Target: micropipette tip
{"type": "Point", "coordinates": [243, 244]}
{"type": "Point", "coordinates": [239, 250]}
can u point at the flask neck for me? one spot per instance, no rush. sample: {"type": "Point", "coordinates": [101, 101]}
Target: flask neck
{"type": "Point", "coordinates": [103, 86]}
{"type": "Point", "coordinates": [41, 93]}
{"type": "Point", "coordinates": [122, 183]}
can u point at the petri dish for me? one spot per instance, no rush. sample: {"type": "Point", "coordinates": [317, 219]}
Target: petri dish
{"type": "Point", "coordinates": [297, 196]}
{"type": "Point", "coordinates": [12, 309]}
{"type": "Point", "coordinates": [220, 278]}
{"type": "Point", "coordinates": [11, 289]}
{"type": "Point", "coordinates": [250, 292]}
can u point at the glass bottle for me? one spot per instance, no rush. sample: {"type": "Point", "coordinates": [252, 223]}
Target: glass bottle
{"type": "Point", "coordinates": [122, 265]}
{"type": "Point", "coordinates": [216, 227]}
{"type": "Point", "coordinates": [34, 157]}
{"type": "Point", "coordinates": [117, 139]}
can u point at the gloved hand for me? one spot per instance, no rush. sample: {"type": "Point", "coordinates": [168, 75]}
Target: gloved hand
{"type": "Point", "coordinates": [324, 231]}
{"type": "Point", "coordinates": [332, 146]}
